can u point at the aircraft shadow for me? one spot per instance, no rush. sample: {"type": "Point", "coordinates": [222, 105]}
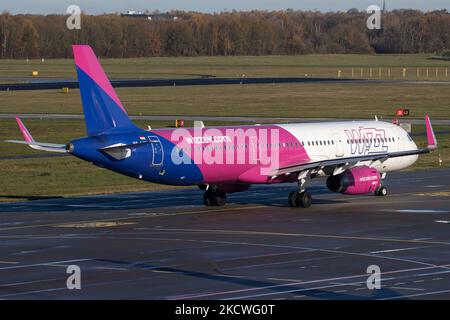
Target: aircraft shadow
{"type": "Point", "coordinates": [275, 196]}
{"type": "Point", "coordinates": [274, 287]}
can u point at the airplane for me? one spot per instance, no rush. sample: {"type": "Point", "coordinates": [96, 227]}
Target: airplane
{"type": "Point", "coordinates": [354, 156]}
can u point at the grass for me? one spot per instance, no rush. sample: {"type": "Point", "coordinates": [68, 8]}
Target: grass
{"type": "Point", "coordinates": [236, 66]}
{"type": "Point", "coordinates": [278, 100]}
{"type": "Point", "coordinates": [67, 176]}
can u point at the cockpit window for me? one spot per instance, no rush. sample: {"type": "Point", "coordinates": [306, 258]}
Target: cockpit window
{"type": "Point", "coordinates": [409, 137]}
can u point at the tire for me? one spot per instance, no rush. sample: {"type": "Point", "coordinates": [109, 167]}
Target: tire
{"type": "Point", "coordinates": [214, 199]}
{"type": "Point", "coordinates": [219, 199]}
{"type": "Point", "coordinates": [207, 199]}
{"type": "Point", "coordinates": [294, 199]}
{"type": "Point", "coordinates": [381, 192]}
{"type": "Point", "coordinates": [305, 200]}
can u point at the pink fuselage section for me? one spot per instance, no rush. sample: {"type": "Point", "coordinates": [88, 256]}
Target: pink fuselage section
{"type": "Point", "coordinates": [244, 154]}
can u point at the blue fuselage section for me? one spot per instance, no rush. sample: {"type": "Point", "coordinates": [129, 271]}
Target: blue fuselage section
{"type": "Point", "coordinates": [142, 154]}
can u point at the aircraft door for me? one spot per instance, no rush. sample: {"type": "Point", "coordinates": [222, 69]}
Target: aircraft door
{"type": "Point", "coordinates": [339, 145]}
{"type": "Point", "coordinates": [254, 155]}
{"type": "Point", "coordinates": [158, 151]}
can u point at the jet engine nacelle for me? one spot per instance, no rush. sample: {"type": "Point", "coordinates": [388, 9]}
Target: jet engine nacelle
{"type": "Point", "coordinates": [358, 180]}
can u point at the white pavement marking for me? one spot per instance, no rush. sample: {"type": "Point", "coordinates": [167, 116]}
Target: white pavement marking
{"type": "Point", "coordinates": [340, 291]}
{"type": "Point", "coordinates": [111, 268]}
{"type": "Point", "coordinates": [396, 250]}
{"type": "Point", "coordinates": [44, 264]}
{"type": "Point", "coordinates": [287, 280]}
{"type": "Point", "coordinates": [420, 211]}
{"type": "Point", "coordinates": [405, 288]}
{"type": "Point", "coordinates": [347, 284]}
{"type": "Point", "coordinates": [27, 282]}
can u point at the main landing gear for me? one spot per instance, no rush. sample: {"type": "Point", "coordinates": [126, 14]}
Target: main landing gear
{"type": "Point", "coordinates": [214, 198]}
{"type": "Point", "coordinates": [300, 199]}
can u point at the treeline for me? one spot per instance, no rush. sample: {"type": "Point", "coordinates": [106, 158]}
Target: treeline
{"type": "Point", "coordinates": [228, 33]}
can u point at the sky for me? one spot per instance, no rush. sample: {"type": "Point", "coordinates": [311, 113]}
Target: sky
{"type": "Point", "coordinates": [109, 6]}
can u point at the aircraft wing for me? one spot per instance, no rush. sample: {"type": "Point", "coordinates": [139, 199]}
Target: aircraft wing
{"type": "Point", "coordinates": [334, 163]}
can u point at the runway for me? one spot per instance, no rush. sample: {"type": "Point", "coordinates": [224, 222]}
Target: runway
{"type": "Point", "coordinates": [197, 81]}
{"type": "Point", "coordinates": [205, 80]}
{"type": "Point", "coordinates": [166, 245]}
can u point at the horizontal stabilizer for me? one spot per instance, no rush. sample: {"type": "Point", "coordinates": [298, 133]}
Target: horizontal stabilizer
{"type": "Point", "coordinates": [52, 147]}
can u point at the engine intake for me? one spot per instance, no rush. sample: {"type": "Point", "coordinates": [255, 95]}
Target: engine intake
{"type": "Point", "coordinates": [359, 180]}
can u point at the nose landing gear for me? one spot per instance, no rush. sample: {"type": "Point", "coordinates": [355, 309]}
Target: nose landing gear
{"type": "Point", "coordinates": [381, 191]}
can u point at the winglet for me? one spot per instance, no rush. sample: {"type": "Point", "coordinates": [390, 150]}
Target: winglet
{"type": "Point", "coordinates": [431, 138]}
{"type": "Point", "coordinates": [26, 134]}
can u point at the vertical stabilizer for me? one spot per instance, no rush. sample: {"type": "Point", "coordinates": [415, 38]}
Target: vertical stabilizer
{"type": "Point", "coordinates": [102, 109]}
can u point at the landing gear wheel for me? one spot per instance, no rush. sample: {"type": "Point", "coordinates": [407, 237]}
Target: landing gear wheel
{"type": "Point", "coordinates": [207, 199]}
{"type": "Point", "coordinates": [211, 198]}
{"type": "Point", "coordinates": [294, 199]}
{"type": "Point", "coordinates": [305, 199]}
{"type": "Point", "coordinates": [220, 199]}
{"type": "Point", "coordinates": [302, 199]}
{"type": "Point", "coordinates": [381, 192]}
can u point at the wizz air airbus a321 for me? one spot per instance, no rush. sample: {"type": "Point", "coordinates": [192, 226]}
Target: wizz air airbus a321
{"type": "Point", "coordinates": [354, 155]}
